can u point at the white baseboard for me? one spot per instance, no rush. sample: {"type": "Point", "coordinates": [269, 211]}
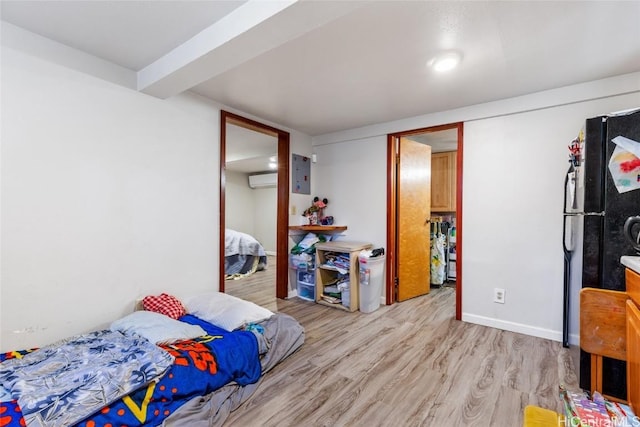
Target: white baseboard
{"type": "Point", "coordinates": [519, 328]}
{"type": "Point", "coordinates": [274, 253]}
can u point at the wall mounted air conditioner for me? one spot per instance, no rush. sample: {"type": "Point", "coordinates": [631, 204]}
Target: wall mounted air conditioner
{"type": "Point", "coordinates": [264, 180]}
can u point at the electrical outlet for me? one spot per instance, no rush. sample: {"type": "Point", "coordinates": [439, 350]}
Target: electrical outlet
{"type": "Point", "coordinates": [294, 210]}
{"type": "Point", "coordinates": [498, 295]}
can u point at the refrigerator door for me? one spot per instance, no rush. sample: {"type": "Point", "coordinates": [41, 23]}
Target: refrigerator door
{"type": "Point", "coordinates": [604, 241]}
{"type": "Point", "coordinates": [594, 168]}
{"type": "Point", "coordinates": [618, 207]}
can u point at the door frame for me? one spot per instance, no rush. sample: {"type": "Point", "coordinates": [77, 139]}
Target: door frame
{"type": "Point", "coordinates": [392, 214]}
{"type": "Point", "coordinates": [282, 249]}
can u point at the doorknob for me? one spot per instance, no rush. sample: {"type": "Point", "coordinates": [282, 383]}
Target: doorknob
{"type": "Point", "coordinates": [427, 221]}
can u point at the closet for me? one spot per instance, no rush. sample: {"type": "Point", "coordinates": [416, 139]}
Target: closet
{"type": "Point", "coordinates": [443, 208]}
{"type": "Point", "coordinates": [443, 249]}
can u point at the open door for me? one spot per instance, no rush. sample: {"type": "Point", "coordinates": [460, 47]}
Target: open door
{"type": "Point", "coordinates": [282, 228]}
{"type": "Point", "coordinates": [414, 218]}
{"type": "Point", "coordinates": [405, 216]}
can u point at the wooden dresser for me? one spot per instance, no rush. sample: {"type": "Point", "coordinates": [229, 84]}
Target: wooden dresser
{"type": "Point", "coordinates": [610, 327]}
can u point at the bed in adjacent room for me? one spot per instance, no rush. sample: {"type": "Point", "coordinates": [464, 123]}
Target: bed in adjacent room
{"type": "Point", "coordinates": [243, 254]}
{"type": "Point", "coordinates": [149, 368]}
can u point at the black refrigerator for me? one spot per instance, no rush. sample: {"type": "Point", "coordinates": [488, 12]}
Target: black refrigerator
{"type": "Point", "coordinates": [602, 210]}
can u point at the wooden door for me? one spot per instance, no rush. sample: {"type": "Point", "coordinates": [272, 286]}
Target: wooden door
{"type": "Point", "coordinates": [414, 216]}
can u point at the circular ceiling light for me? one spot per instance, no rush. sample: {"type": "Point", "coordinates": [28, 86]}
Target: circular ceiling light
{"type": "Point", "coordinates": [445, 61]}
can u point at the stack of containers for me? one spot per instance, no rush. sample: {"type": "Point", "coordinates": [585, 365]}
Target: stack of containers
{"type": "Point", "coordinates": [304, 266]}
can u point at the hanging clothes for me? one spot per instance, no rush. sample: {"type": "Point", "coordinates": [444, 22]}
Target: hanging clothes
{"type": "Point", "coordinates": [438, 254]}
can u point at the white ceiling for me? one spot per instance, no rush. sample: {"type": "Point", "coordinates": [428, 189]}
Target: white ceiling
{"type": "Point", "coordinates": [324, 66]}
{"type": "Point", "coordinates": [132, 34]}
{"type": "Point", "coordinates": [249, 151]}
{"type": "Point", "coordinates": [442, 140]}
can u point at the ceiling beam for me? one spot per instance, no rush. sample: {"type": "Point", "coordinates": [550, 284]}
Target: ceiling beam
{"type": "Point", "coordinates": [250, 30]}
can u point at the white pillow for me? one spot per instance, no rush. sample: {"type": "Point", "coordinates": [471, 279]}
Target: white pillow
{"type": "Point", "coordinates": [225, 311]}
{"type": "Point", "coordinates": [157, 328]}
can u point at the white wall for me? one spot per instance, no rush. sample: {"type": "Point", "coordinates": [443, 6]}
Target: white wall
{"type": "Point", "coordinates": [515, 159]}
{"type": "Point", "coordinates": [251, 210]}
{"type": "Point", "coordinates": [107, 195]}
{"type": "Point", "coordinates": [265, 217]}
{"type": "Point", "coordinates": [512, 231]}
{"type": "Point", "coordinates": [239, 204]}
{"type": "Point", "coordinates": [352, 176]}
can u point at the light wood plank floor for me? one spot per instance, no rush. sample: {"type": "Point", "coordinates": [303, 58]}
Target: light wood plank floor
{"type": "Point", "coordinates": [409, 364]}
{"type": "Point", "coordinates": [260, 287]}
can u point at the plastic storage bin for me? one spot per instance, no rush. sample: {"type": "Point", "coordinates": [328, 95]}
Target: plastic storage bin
{"type": "Point", "coordinates": [306, 282]}
{"type": "Point", "coordinates": [346, 297]}
{"type": "Point", "coordinates": [371, 281]}
{"type": "Point", "coordinates": [302, 259]}
{"type": "Point", "coordinates": [306, 291]}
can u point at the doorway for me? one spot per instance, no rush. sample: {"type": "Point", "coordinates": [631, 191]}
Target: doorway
{"type": "Point", "coordinates": [395, 207]}
{"type": "Point", "coordinates": [227, 121]}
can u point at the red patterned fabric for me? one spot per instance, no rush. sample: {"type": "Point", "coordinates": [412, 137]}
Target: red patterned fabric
{"type": "Point", "coordinates": [165, 304]}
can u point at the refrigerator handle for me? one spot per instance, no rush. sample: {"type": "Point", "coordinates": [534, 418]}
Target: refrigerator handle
{"type": "Point", "coordinates": [564, 235]}
{"type": "Point", "coordinates": [565, 213]}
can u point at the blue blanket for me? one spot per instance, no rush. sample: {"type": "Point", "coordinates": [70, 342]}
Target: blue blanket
{"type": "Point", "coordinates": [65, 382]}
{"type": "Point", "coordinates": [201, 366]}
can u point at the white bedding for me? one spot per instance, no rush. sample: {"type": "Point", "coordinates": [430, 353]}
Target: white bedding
{"type": "Point", "coordinates": [238, 243]}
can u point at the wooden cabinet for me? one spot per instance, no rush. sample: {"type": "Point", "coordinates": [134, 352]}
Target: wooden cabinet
{"type": "Point", "coordinates": [633, 340]}
{"type": "Point", "coordinates": [610, 327]}
{"type": "Point", "coordinates": [337, 265]}
{"type": "Point", "coordinates": [443, 181]}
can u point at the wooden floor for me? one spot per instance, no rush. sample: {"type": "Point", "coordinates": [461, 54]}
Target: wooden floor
{"type": "Point", "coordinates": [260, 287]}
{"type": "Point", "coordinates": [408, 364]}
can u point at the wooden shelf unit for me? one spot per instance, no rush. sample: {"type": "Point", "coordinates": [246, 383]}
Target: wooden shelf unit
{"type": "Point", "coordinates": [297, 232]}
{"type": "Point", "coordinates": [318, 229]}
{"type": "Point", "coordinates": [325, 274]}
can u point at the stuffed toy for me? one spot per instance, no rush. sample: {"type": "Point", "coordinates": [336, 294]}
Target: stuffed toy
{"type": "Point", "coordinates": [315, 212]}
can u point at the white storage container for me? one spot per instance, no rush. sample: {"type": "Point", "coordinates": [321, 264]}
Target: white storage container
{"type": "Point", "coordinates": [371, 281]}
